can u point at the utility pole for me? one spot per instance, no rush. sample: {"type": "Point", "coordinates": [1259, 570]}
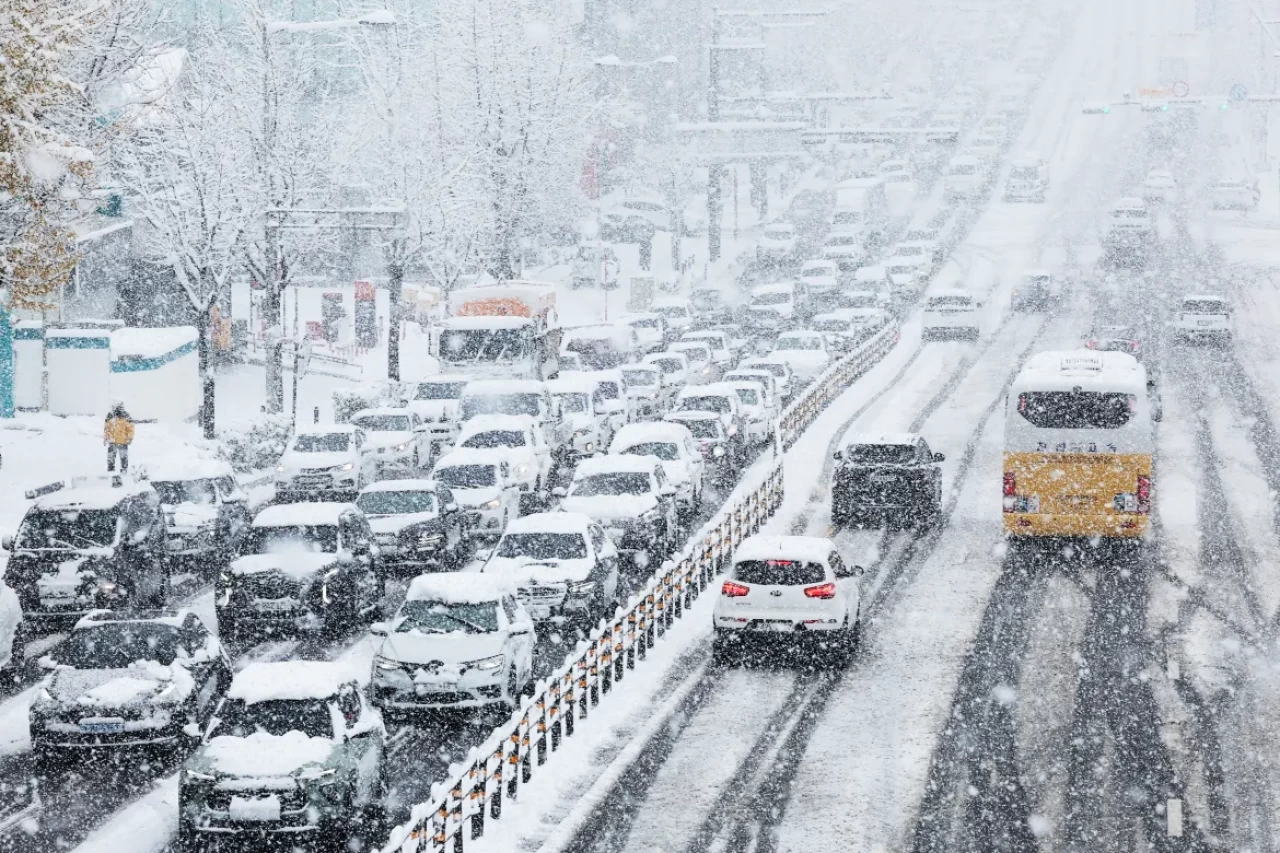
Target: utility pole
{"type": "Point", "coordinates": [715, 172]}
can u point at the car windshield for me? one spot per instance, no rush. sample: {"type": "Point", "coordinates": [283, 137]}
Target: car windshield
{"type": "Point", "coordinates": [443, 617]}
{"type": "Point", "coordinates": [705, 429]}
{"type": "Point", "coordinates": [640, 378]}
{"type": "Point", "coordinates": [749, 396]}
{"type": "Point", "coordinates": [174, 492]}
{"type": "Point", "coordinates": [696, 355]}
{"type": "Point", "coordinates": [706, 403]}
{"type": "Point", "coordinates": [829, 325]}
{"type": "Point", "coordinates": [615, 483]}
{"type": "Point", "coordinates": [608, 390]}
{"type": "Point", "coordinates": [1127, 213]}
{"type": "Point", "coordinates": [779, 572]}
{"type": "Point", "coordinates": [439, 390]}
{"type": "Point", "coordinates": [846, 218]}
{"type": "Point", "coordinates": [500, 404]}
{"type": "Point", "coordinates": [899, 178]}
{"type": "Point", "coordinates": [677, 311]}
{"type": "Point", "coordinates": [855, 300]}
{"type": "Point", "coordinates": [881, 454]}
{"type": "Point", "coordinates": [462, 346]}
{"type": "Point", "coordinates": [116, 645]}
{"type": "Point", "coordinates": [575, 403]}
{"type": "Point", "coordinates": [901, 269]}
{"type": "Point", "coordinates": [922, 235]}
{"type": "Point", "coordinates": [646, 323]}
{"type": "Point", "coordinates": [669, 365]}
{"type": "Point", "coordinates": [291, 539]}
{"type": "Point", "coordinates": [490, 439]}
{"type": "Point", "coordinates": [384, 423]}
{"type": "Point", "coordinates": [1076, 409]}
{"type": "Point", "coordinates": [543, 546]}
{"type": "Point", "coordinates": [274, 717]}
{"type": "Point", "coordinates": [797, 343]}
{"type": "Point", "coordinates": [79, 528]}
{"type": "Point", "coordinates": [467, 476]}
{"type": "Point", "coordinates": [779, 298]}
{"type": "Point", "coordinates": [664, 450]}
{"type": "Point", "coordinates": [942, 301]}
{"type": "Point", "coordinates": [327, 442]}
{"type": "Point", "coordinates": [778, 370]}
{"type": "Point", "coordinates": [397, 503]}
{"type": "Point", "coordinates": [1204, 306]}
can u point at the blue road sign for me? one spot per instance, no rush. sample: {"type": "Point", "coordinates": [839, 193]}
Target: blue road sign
{"type": "Point", "coordinates": [1238, 92]}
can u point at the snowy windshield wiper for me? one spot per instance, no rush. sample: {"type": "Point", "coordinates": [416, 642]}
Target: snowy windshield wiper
{"type": "Point", "coordinates": [473, 626]}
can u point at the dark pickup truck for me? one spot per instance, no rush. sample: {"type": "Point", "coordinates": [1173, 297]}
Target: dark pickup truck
{"type": "Point", "coordinates": [894, 478]}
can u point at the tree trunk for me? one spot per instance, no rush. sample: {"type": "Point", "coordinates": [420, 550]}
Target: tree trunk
{"type": "Point", "coordinates": [395, 277]}
{"type": "Point", "coordinates": [203, 347]}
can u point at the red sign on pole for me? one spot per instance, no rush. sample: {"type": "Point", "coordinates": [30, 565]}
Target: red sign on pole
{"type": "Point", "coordinates": [365, 291]}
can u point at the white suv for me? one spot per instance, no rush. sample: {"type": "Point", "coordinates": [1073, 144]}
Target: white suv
{"type": "Point", "coordinates": [789, 589]}
{"type": "Point", "coordinates": [1203, 317]}
{"type": "Point", "coordinates": [325, 460]}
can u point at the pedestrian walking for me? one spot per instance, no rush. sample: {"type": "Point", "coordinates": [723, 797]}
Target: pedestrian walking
{"type": "Point", "coordinates": [117, 435]}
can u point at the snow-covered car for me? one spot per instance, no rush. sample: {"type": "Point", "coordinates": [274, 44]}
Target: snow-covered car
{"type": "Point", "coordinates": [949, 314]}
{"type": "Point", "coordinates": [484, 487]}
{"type": "Point", "coordinates": [675, 309]}
{"type": "Point", "coordinates": [1234, 195]}
{"type": "Point", "coordinates": [906, 277]}
{"type": "Point", "coordinates": [1160, 186]}
{"type": "Point", "coordinates": [1036, 290]}
{"type": "Point", "coordinates": [926, 253]}
{"type": "Point", "coordinates": [459, 640]}
{"type": "Point", "coordinates": [609, 396]}
{"type": "Point", "coordinates": [519, 439]}
{"type": "Point", "coordinates": [652, 332]}
{"type": "Point", "coordinates": [702, 363]}
{"type": "Point", "coordinates": [1130, 216]}
{"type": "Point", "coordinates": [822, 275]}
{"type": "Point", "coordinates": [294, 751]}
{"type": "Point", "coordinates": [805, 352]}
{"type": "Point", "coordinates": [396, 438]}
{"type": "Point", "coordinates": [846, 249]}
{"type": "Point", "coordinates": [858, 299]}
{"type": "Point", "coordinates": [721, 452]}
{"type": "Point", "coordinates": [417, 524]}
{"type": "Point", "coordinates": [772, 306]}
{"type": "Point", "coordinates": [875, 279]}
{"type": "Point", "coordinates": [435, 400]}
{"type": "Point", "coordinates": [864, 322]}
{"type": "Point", "coordinates": [776, 242]}
{"type": "Point", "coordinates": [521, 398]}
{"type": "Point", "coordinates": [795, 590]}
{"type": "Point", "coordinates": [126, 680]}
{"type": "Point", "coordinates": [1203, 317]}
{"type": "Point", "coordinates": [591, 428]}
{"type": "Point", "coordinates": [837, 330]}
{"type": "Point", "coordinates": [325, 461]}
{"type": "Point", "coordinates": [719, 399]}
{"type": "Point", "coordinates": [205, 510]}
{"type": "Point", "coordinates": [647, 395]}
{"type": "Point", "coordinates": [630, 497]}
{"type": "Point", "coordinates": [1028, 180]}
{"type": "Point", "coordinates": [562, 565]}
{"type": "Point", "coordinates": [788, 385]}
{"type": "Point", "coordinates": [967, 177]}
{"type": "Point", "coordinates": [767, 383]}
{"type": "Point", "coordinates": [1114, 338]}
{"type": "Point", "coordinates": [87, 544]}
{"type": "Point", "coordinates": [602, 346]}
{"type": "Point", "coordinates": [719, 341]}
{"type": "Point", "coordinates": [300, 567]}
{"type": "Point", "coordinates": [675, 447]}
{"type": "Point", "coordinates": [757, 414]}
{"type": "Point", "coordinates": [674, 367]}
{"type": "Point", "coordinates": [892, 478]}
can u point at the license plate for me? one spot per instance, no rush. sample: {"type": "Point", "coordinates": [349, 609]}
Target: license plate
{"type": "Point", "coordinates": [436, 687]}
{"type": "Point", "coordinates": [538, 611]}
{"type": "Point", "coordinates": [102, 728]}
{"type": "Point", "coordinates": [779, 627]}
{"type": "Point", "coordinates": [275, 605]}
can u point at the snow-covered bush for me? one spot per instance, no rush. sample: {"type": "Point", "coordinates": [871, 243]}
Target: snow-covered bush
{"type": "Point", "coordinates": [348, 401]}
{"type": "Point", "coordinates": [253, 445]}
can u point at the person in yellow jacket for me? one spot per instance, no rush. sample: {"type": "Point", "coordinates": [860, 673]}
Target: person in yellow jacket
{"type": "Point", "coordinates": [117, 434]}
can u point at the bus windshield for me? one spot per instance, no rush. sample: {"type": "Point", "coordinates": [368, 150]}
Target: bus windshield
{"type": "Point", "coordinates": [1076, 409]}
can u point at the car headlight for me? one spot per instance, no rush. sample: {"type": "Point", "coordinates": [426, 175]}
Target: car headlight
{"type": "Point", "coordinates": [402, 446]}
{"type": "Point", "coordinates": [347, 467]}
{"type": "Point", "coordinates": [522, 469]}
{"type": "Point", "coordinates": [279, 469]}
{"type": "Point", "coordinates": [487, 664]}
{"type": "Point", "coordinates": [109, 589]}
{"type": "Point", "coordinates": [493, 504]}
{"type": "Point", "coordinates": [718, 450]}
{"type": "Point", "coordinates": [589, 447]}
{"type": "Point", "coordinates": [387, 664]}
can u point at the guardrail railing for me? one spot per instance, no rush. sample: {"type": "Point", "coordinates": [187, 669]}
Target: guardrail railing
{"type": "Point", "coordinates": [495, 771]}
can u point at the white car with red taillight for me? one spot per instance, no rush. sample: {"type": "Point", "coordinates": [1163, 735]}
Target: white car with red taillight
{"type": "Point", "coordinates": [794, 590]}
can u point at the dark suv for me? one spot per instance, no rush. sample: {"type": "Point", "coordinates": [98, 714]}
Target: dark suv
{"type": "Point", "coordinates": [92, 543]}
{"type": "Point", "coordinates": [894, 478]}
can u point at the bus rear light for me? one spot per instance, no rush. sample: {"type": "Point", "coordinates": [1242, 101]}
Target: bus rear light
{"type": "Point", "coordinates": [1144, 494]}
{"type": "Point", "coordinates": [1010, 484]}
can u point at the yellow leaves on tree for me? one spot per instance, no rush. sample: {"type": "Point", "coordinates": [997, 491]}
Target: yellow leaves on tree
{"type": "Point", "coordinates": [37, 263]}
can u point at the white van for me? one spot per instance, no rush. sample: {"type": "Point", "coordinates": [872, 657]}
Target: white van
{"type": "Point", "coordinates": [966, 177]}
{"type": "Point", "coordinates": [1028, 180]}
{"type": "Point", "coordinates": [950, 314]}
{"type": "Point", "coordinates": [1203, 317]}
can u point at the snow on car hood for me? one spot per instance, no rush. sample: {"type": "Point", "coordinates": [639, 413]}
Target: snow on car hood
{"type": "Point", "coordinates": [190, 516]}
{"type": "Point", "coordinates": [435, 410]}
{"type": "Point", "coordinates": [580, 420]}
{"type": "Point", "coordinates": [117, 688]}
{"type": "Point", "coordinates": [602, 507]}
{"type": "Point", "coordinates": [292, 460]}
{"type": "Point", "coordinates": [262, 754]}
{"type": "Point", "coordinates": [449, 647]}
{"type": "Point", "coordinates": [523, 570]}
{"type": "Point", "coordinates": [388, 438]}
{"type": "Point", "coordinates": [476, 497]}
{"type": "Point", "coordinates": [296, 564]}
{"type": "Point", "coordinates": [396, 523]}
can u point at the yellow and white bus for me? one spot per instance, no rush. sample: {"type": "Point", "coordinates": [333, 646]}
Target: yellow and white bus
{"type": "Point", "coordinates": [1077, 451]}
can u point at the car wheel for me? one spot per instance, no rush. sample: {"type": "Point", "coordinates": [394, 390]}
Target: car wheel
{"type": "Point", "coordinates": [16, 668]}
{"type": "Point", "coordinates": [721, 653]}
{"type": "Point", "coordinates": [417, 464]}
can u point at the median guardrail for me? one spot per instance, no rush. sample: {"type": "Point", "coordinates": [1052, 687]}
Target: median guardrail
{"type": "Point", "coordinates": [494, 772]}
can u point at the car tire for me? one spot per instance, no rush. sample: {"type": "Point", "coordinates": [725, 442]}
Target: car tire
{"type": "Point", "coordinates": [721, 652]}
{"type": "Point", "coordinates": [15, 670]}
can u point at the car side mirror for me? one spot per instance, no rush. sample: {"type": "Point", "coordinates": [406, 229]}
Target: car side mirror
{"type": "Point", "coordinates": [6, 542]}
{"type": "Point", "coordinates": [939, 457]}
{"type": "Point", "coordinates": [380, 629]}
{"type": "Point", "coordinates": [560, 492]}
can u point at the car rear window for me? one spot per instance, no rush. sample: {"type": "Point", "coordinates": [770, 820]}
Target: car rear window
{"type": "Point", "coordinates": [1203, 306]}
{"type": "Point", "coordinates": [779, 572]}
{"type": "Point", "coordinates": [1076, 409]}
{"type": "Point", "coordinates": [882, 454]}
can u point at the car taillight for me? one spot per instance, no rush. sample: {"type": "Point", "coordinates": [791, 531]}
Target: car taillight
{"type": "Point", "coordinates": [734, 590]}
{"type": "Point", "coordinates": [1010, 484]}
{"type": "Point", "coordinates": [826, 590]}
{"type": "Point", "coordinates": [1144, 494]}
{"type": "Point", "coordinates": [1089, 344]}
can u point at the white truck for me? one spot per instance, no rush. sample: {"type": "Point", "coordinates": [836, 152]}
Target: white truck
{"type": "Point", "coordinates": [506, 330]}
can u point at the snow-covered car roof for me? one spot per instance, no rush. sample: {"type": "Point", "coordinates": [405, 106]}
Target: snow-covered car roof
{"type": "Point", "coordinates": [808, 549]}
{"type": "Point", "coordinates": [472, 456]}
{"type": "Point", "coordinates": [327, 429]}
{"type": "Point", "coordinates": [618, 334]}
{"type": "Point", "coordinates": [671, 302]}
{"type": "Point", "coordinates": [486, 321]}
{"type": "Point", "coordinates": [869, 273]}
{"type": "Point", "coordinates": [1129, 204]}
{"type": "Point", "coordinates": [964, 160]}
{"type": "Point", "coordinates": [641, 315]}
{"type": "Point", "coordinates": [799, 333]}
{"type": "Point", "coordinates": [821, 264]}
{"type": "Point", "coordinates": [901, 261]}
{"type": "Point", "coordinates": [711, 389]}
{"type": "Point", "coordinates": [924, 244]}
{"type": "Point", "coordinates": [485, 387]}
{"type": "Point", "coordinates": [764, 359]}
{"type": "Point", "coordinates": [620, 464]}
{"type": "Point", "coordinates": [92, 493]}
{"type": "Point", "coordinates": [595, 376]}
{"type": "Point", "coordinates": [950, 293]}
{"type": "Point", "coordinates": [491, 423]}
{"type": "Point", "coordinates": [292, 680]}
{"type": "Point", "coordinates": [415, 484]}
{"type": "Point", "coordinates": [881, 439]}
{"type": "Point", "coordinates": [459, 588]}
{"type": "Point", "coordinates": [550, 522]}
{"type": "Point", "coordinates": [655, 356]}
{"type": "Point", "coordinates": [174, 618]}
{"type": "Point", "coordinates": [578, 383]}
{"type": "Point", "coordinates": [777, 287]}
{"type": "Point", "coordinates": [381, 411]}
{"type": "Point", "coordinates": [302, 514]}
{"type": "Point", "coordinates": [644, 433]}
{"type": "Point", "coordinates": [171, 468]}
